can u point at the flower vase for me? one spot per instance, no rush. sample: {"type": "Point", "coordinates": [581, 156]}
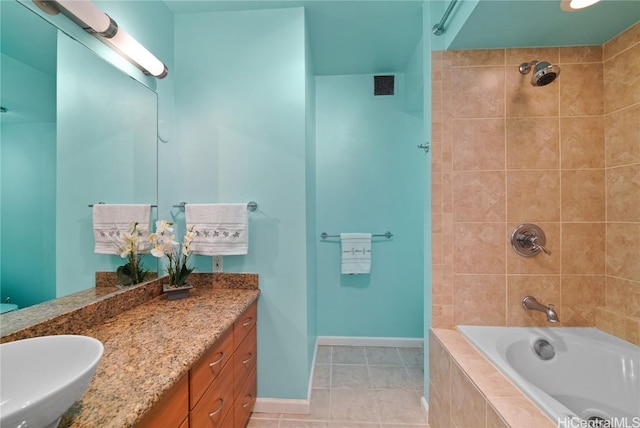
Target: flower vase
{"type": "Point", "coordinates": [176, 292]}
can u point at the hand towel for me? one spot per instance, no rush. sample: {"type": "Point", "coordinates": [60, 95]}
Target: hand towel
{"type": "Point", "coordinates": [110, 220]}
{"type": "Point", "coordinates": [356, 253]}
{"type": "Point", "coordinates": [220, 229]}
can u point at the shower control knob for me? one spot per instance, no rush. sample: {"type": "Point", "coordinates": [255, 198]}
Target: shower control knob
{"type": "Point", "coordinates": [528, 240]}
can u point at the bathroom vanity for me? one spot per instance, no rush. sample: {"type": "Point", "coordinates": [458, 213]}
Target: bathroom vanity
{"type": "Point", "coordinates": [220, 388]}
{"type": "Point", "coordinates": [179, 362]}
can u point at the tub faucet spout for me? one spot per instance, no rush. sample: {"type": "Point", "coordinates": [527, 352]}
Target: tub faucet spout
{"type": "Point", "coordinates": [530, 302]}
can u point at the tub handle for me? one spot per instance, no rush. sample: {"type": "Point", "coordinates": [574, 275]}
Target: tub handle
{"type": "Point", "coordinates": [538, 247]}
{"type": "Point", "coordinates": [528, 240]}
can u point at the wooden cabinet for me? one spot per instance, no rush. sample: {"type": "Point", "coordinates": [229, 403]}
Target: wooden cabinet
{"type": "Point", "coordinates": [210, 366]}
{"type": "Point", "coordinates": [244, 366]}
{"type": "Point", "coordinates": [244, 324]}
{"type": "Point", "coordinates": [214, 406]}
{"type": "Point", "coordinates": [220, 389]}
{"type": "Point", "coordinates": [244, 402]}
{"type": "Point", "coordinates": [172, 410]}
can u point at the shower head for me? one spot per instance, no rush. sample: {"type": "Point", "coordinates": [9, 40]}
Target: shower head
{"type": "Point", "coordinates": [543, 72]}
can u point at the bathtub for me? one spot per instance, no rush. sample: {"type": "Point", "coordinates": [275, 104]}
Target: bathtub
{"type": "Point", "coordinates": [576, 375]}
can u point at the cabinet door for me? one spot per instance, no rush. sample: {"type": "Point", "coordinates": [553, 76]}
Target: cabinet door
{"type": "Point", "coordinates": [207, 369]}
{"type": "Point", "coordinates": [243, 406]}
{"type": "Point", "coordinates": [216, 402]}
{"type": "Point", "coordinates": [244, 360]}
{"type": "Point", "coordinates": [244, 324]}
{"type": "Point", "coordinates": [171, 410]}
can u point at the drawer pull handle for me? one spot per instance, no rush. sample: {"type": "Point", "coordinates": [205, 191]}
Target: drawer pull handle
{"type": "Point", "coordinates": [245, 405]}
{"type": "Point", "coordinates": [248, 359]}
{"type": "Point", "coordinates": [247, 322]}
{"type": "Point", "coordinates": [213, 363]}
{"type": "Point", "coordinates": [213, 414]}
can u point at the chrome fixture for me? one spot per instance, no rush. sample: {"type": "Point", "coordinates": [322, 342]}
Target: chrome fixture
{"type": "Point", "coordinates": [251, 206]}
{"type": "Point", "coordinates": [387, 234]}
{"type": "Point", "coordinates": [97, 23]}
{"type": "Point", "coordinates": [543, 72]}
{"type": "Point", "coordinates": [544, 350]}
{"type": "Point", "coordinates": [530, 302]}
{"type": "Point", "coordinates": [439, 29]}
{"type": "Point", "coordinates": [87, 15]}
{"type": "Point", "coordinates": [528, 240]}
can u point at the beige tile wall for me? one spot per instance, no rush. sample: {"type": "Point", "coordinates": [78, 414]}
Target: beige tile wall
{"type": "Point", "coordinates": [621, 315]}
{"type": "Point", "coordinates": [565, 156]}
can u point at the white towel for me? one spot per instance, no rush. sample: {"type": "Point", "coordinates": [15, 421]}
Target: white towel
{"type": "Point", "coordinates": [220, 229]}
{"type": "Point", "coordinates": [356, 252]}
{"type": "Point", "coordinates": [111, 220]}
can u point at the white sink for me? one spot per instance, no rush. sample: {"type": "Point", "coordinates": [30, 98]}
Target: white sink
{"type": "Point", "coordinates": [40, 378]}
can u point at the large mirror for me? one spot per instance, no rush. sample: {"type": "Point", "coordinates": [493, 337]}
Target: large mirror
{"type": "Point", "coordinates": [74, 131]}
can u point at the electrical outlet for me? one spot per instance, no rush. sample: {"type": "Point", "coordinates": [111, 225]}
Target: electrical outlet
{"type": "Point", "coordinates": [217, 263]}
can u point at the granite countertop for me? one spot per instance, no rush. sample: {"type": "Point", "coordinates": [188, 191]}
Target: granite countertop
{"type": "Point", "coordinates": [41, 313]}
{"type": "Point", "coordinates": [148, 349]}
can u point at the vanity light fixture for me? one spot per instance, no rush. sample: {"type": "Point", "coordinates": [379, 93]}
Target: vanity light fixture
{"type": "Point", "coordinates": [94, 21]}
{"type": "Point", "coordinates": [131, 49]}
{"type": "Point", "coordinates": [575, 5]}
{"type": "Point", "coordinates": [88, 16]}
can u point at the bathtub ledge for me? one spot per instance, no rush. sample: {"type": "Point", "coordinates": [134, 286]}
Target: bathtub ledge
{"type": "Point", "coordinates": [502, 398]}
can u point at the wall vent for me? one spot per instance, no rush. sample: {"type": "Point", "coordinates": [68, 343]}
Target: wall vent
{"type": "Point", "coordinates": [384, 85]}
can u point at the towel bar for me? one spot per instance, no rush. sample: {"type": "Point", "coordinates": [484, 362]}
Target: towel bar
{"type": "Point", "coordinates": [387, 235]}
{"type": "Point", "coordinates": [251, 205]}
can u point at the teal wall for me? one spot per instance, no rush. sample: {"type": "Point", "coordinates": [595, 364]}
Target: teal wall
{"type": "Point", "coordinates": [28, 180]}
{"type": "Point", "coordinates": [28, 159]}
{"type": "Point", "coordinates": [106, 146]}
{"type": "Point", "coordinates": [28, 217]}
{"type": "Point", "coordinates": [238, 122]}
{"type": "Point", "coordinates": [370, 178]}
{"type": "Point", "coordinates": [311, 184]}
{"type": "Point", "coordinates": [241, 125]}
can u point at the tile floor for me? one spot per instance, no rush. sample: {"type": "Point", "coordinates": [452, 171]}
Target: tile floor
{"type": "Point", "coordinates": [355, 386]}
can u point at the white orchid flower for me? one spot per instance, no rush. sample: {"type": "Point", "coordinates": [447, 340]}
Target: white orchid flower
{"type": "Point", "coordinates": [156, 251]}
{"type": "Point", "coordinates": [164, 227]}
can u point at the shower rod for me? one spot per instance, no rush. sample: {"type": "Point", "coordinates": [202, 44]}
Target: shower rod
{"type": "Point", "coordinates": [439, 29]}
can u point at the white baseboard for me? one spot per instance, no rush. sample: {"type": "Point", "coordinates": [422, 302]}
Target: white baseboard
{"type": "Point", "coordinates": [425, 408]}
{"type": "Point", "coordinates": [282, 405]}
{"type": "Point", "coordinates": [394, 342]}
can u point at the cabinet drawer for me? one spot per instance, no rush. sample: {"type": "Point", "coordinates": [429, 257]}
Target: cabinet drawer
{"type": "Point", "coordinates": [244, 360]}
{"type": "Point", "coordinates": [216, 402]}
{"type": "Point", "coordinates": [244, 324]}
{"type": "Point", "coordinates": [185, 423]}
{"type": "Point", "coordinates": [243, 406]}
{"type": "Point", "coordinates": [209, 366]}
{"type": "Point", "coordinates": [171, 410]}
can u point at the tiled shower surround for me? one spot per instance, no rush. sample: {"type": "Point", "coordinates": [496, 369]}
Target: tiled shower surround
{"type": "Point", "coordinates": [565, 156]}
